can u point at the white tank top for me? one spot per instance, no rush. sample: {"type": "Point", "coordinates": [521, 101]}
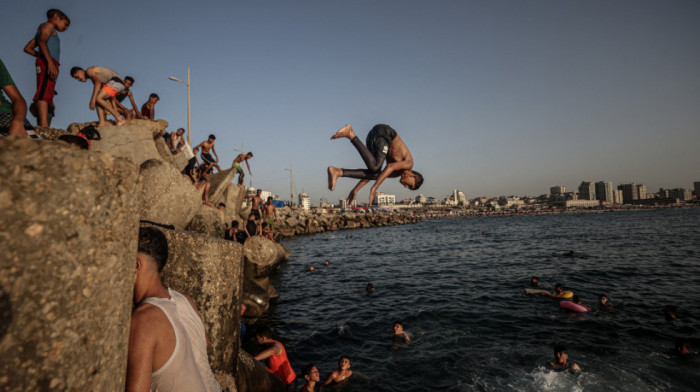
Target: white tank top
{"type": "Point", "coordinates": [187, 369]}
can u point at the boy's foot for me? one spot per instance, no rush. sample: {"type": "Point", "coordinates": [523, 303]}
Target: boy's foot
{"type": "Point", "coordinates": [101, 124]}
{"type": "Point", "coordinates": [333, 174]}
{"type": "Point", "coordinates": [121, 121]}
{"type": "Point", "coordinates": [345, 131]}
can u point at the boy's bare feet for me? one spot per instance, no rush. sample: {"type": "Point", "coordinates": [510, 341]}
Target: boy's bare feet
{"type": "Point", "coordinates": [121, 121]}
{"type": "Point", "coordinates": [345, 131]}
{"type": "Point", "coordinates": [333, 174]}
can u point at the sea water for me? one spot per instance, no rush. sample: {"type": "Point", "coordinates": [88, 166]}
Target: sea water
{"type": "Point", "coordinates": [458, 287]}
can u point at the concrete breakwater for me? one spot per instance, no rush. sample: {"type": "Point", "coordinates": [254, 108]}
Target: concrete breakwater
{"type": "Point", "coordinates": [68, 233]}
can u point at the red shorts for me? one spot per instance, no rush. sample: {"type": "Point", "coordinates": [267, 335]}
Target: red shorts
{"type": "Point", "coordinates": [45, 86]}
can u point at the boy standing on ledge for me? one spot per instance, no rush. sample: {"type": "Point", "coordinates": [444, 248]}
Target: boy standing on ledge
{"type": "Point", "coordinates": [47, 61]}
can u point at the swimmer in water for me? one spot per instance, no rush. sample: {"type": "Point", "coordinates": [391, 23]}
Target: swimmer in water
{"type": "Point", "coordinates": [604, 302]}
{"type": "Point", "coordinates": [312, 376]}
{"type": "Point", "coordinates": [326, 263]}
{"type": "Point", "coordinates": [311, 268]}
{"type": "Point", "coordinates": [577, 301]}
{"type": "Point", "coordinates": [369, 287]}
{"type": "Point", "coordinates": [670, 312]}
{"type": "Point", "coordinates": [399, 333]}
{"type": "Point", "coordinates": [535, 282]}
{"type": "Point", "coordinates": [558, 291]}
{"type": "Point", "coordinates": [340, 375]}
{"type": "Point", "coordinates": [682, 348]}
{"type": "Point", "coordinates": [560, 360]}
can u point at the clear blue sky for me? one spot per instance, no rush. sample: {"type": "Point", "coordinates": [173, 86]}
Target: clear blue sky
{"type": "Point", "coordinates": [492, 97]}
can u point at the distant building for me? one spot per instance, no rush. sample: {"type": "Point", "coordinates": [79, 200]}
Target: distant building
{"type": "Point", "coordinates": [582, 203]}
{"type": "Point", "coordinates": [604, 191]}
{"type": "Point", "coordinates": [557, 190]}
{"type": "Point", "coordinates": [617, 196]}
{"type": "Point", "coordinates": [630, 192]}
{"type": "Point", "coordinates": [642, 189]}
{"type": "Point", "coordinates": [681, 194]}
{"type": "Point", "coordinates": [421, 199]}
{"type": "Point", "coordinates": [304, 201]}
{"type": "Point", "coordinates": [382, 199]}
{"type": "Point", "coordinates": [586, 191]}
{"type": "Point", "coordinates": [461, 199]}
{"type": "Point", "coordinates": [696, 184]}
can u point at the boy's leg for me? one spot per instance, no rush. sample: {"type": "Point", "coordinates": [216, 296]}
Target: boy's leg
{"type": "Point", "coordinates": [100, 116]}
{"type": "Point", "coordinates": [108, 106]}
{"type": "Point", "coordinates": [45, 90]}
{"type": "Point", "coordinates": [374, 160]}
{"type": "Point", "coordinates": [42, 108]}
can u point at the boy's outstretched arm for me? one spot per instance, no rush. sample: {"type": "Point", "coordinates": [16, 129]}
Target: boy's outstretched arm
{"type": "Point", "coordinates": [133, 104]}
{"type": "Point", "coordinates": [97, 85]}
{"type": "Point", "coordinates": [248, 164]}
{"type": "Point", "coordinates": [353, 192]}
{"type": "Point", "coordinates": [30, 48]}
{"type": "Point", "coordinates": [212, 150]}
{"type": "Point", "coordinates": [388, 171]}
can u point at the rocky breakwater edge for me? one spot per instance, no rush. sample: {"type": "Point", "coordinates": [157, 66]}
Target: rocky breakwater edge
{"type": "Point", "coordinates": [68, 234]}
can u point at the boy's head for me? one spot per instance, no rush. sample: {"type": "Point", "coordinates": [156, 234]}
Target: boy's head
{"type": "Point", "coordinates": [682, 347]}
{"type": "Point", "coordinates": [398, 327]}
{"type": "Point", "coordinates": [180, 132]}
{"type": "Point", "coordinates": [269, 199]}
{"type": "Point", "coordinates": [603, 299]}
{"type": "Point", "coordinates": [344, 362]}
{"type": "Point", "coordinates": [411, 179]}
{"type": "Point", "coordinates": [258, 192]}
{"type": "Point", "coordinates": [212, 137]}
{"type": "Point", "coordinates": [263, 333]}
{"type": "Point", "coordinates": [221, 206]}
{"type": "Point", "coordinates": [535, 280]}
{"type": "Point", "coordinates": [58, 19]}
{"type": "Point", "coordinates": [558, 288]}
{"type": "Point", "coordinates": [310, 373]}
{"type": "Point", "coordinates": [249, 155]}
{"type": "Point", "coordinates": [560, 353]}
{"type": "Point", "coordinates": [234, 224]}
{"type": "Point", "coordinates": [154, 97]}
{"type": "Point", "coordinates": [154, 245]}
{"type": "Point", "coordinates": [78, 74]}
{"type": "Point", "coordinates": [128, 82]}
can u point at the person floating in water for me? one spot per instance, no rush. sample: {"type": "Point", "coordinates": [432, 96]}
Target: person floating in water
{"type": "Point", "coordinates": [560, 360]}
{"type": "Point", "coordinates": [369, 288]}
{"type": "Point", "coordinates": [382, 143]}
{"type": "Point", "coordinates": [604, 302]}
{"type": "Point", "coordinates": [535, 282]}
{"type": "Point", "coordinates": [399, 333]}
{"type": "Point", "coordinates": [670, 312]}
{"type": "Point", "coordinates": [558, 292]}
{"type": "Point", "coordinates": [312, 376]}
{"type": "Point", "coordinates": [342, 374]}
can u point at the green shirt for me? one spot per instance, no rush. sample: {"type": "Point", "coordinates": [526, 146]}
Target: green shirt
{"type": "Point", "coordinates": [5, 80]}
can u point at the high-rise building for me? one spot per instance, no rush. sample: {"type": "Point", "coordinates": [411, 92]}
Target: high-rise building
{"type": "Point", "coordinates": [604, 191]}
{"type": "Point", "coordinates": [382, 199]}
{"type": "Point", "coordinates": [586, 191]}
{"type": "Point", "coordinates": [557, 190]}
{"type": "Point", "coordinates": [642, 189]}
{"type": "Point", "coordinates": [696, 184]}
{"type": "Point", "coordinates": [630, 192]}
{"type": "Point", "coordinates": [617, 196]}
{"type": "Point", "coordinates": [304, 201]}
{"type": "Point", "coordinates": [680, 194]}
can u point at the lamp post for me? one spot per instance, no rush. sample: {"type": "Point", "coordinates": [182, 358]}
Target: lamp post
{"type": "Point", "coordinates": [189, 137]}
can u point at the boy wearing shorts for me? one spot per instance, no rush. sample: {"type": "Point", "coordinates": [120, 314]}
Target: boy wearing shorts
{"type": "Point", "coordinates": [46, 47]}
{"type": "Point", "coordinates": [107, 84]}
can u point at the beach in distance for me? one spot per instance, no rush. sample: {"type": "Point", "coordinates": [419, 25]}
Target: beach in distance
{"type": "Point", "coordinates": [458, 286]}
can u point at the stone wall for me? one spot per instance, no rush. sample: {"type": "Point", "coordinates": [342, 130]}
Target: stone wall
{"type": "Point", "coordinates": [68, 234]}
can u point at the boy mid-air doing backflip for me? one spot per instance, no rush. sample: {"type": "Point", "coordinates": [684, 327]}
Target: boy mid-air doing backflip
{"type": "Point", "coordinates": [382, 143]}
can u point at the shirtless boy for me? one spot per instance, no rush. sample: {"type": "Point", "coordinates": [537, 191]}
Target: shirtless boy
{"type": "Point", "coordinates": [270, 213]}
{"type": "Point", "coordinates": [257, 201]}
{"type": "Point", "coordinates": [107, 84]}
{"type": "Point", "coordinates": [206, 146]}
{"type": "Point", "coordinates": [46, 47]}
{"type": "Point", "coordinates": [558, 291]}
{"type": "Point", "coordinates": [342, 374]}
{"type": "Point", "coordinates": [382, 143]}
{"type": "Point", "coordinates": [399, 333]}
{"type": "Point", "coordinates": [560, 360]}
{"type": "Point", "coordinates": [312, 376]}
{"type": "Point", "coordinates": [237, 166]}
{"type": "Point", "coordinates": [127, 113]}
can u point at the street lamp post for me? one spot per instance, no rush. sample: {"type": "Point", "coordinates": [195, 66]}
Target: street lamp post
{"type": "Point", "coordinates": [189, 137]}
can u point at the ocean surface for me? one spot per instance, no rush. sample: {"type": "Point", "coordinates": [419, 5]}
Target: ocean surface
{"type": "Point", "coordinates": [458, 286]}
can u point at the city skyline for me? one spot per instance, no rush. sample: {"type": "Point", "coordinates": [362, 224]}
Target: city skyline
{"type": "Point", "coordinates": [493, 98]}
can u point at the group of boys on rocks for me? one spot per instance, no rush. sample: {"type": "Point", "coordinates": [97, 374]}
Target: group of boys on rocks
{"type": "Point", "coordinates": [108, 92]}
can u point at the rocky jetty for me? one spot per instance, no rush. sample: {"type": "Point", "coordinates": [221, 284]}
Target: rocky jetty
{"type": "Point", "coordinates": [69, 229]}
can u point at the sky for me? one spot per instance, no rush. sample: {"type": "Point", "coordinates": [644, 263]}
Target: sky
{"type": "Point", "coordinates": [491, 97]}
